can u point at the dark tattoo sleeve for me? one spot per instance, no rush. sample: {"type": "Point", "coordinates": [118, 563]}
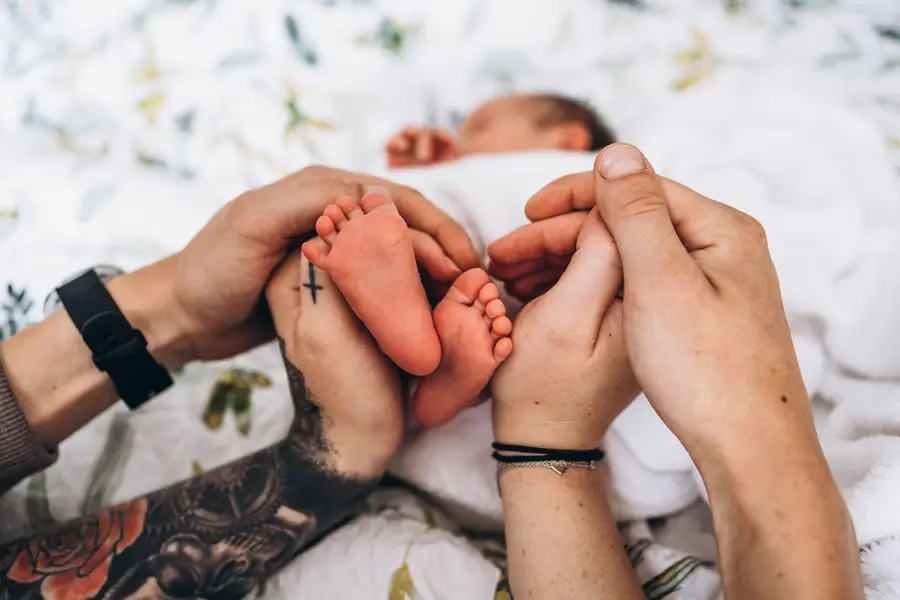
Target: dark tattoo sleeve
{"type": "Point", "coordinates": [217, 536]}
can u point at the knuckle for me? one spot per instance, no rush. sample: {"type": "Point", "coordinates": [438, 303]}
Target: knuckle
{"type": "Point", "coordinates": [605, 251]}
{"type": "Point", "coordinates": [313, 171]}
{"type": "Point", "coordinates": [611, 254]}
{"type": "Point", "coordinates": [404, 191]}
{"type": "Point", "coordinates": [354, 189]}
{"type": "Point", "coordinates": [752, 226]}
{"type": "Point", "coordinates": [753, 231]}
{"type": "Point", "coordinates": [328, 184]}
{"type": "Point", "coordinates": [239, 207]}
{"type": "Point", "coordinates": [242, 213]}
{"type": "Point", "coordinates": [746, 237]}
{"type": "Point", "coordinates": [637, 198]}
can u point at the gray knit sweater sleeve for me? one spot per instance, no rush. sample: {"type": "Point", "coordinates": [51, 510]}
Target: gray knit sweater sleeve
{"type": "Point", "coordinates": [20, 453]}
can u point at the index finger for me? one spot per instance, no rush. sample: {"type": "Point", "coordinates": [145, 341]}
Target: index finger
{"type": "Point", "coordinates": [566, 194]}
{"type": "Point", "coordinates": [555, 236]}
{"type": "Point", "coordinates": [422, 215]}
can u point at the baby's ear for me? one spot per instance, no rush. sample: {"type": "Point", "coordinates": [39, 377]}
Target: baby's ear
{"type": "Point", "coordinates": [573, 136]}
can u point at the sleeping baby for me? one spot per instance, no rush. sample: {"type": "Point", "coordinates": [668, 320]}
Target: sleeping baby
{"type": "Point", "coordinates": [506, 124]}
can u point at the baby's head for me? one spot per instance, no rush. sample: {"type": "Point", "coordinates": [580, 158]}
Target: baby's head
{"type": "Point", "coordinates": [532, 122]}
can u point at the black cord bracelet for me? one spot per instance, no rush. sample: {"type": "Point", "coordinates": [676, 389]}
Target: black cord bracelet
{"type": "Point", "coordinates": [533, 453]}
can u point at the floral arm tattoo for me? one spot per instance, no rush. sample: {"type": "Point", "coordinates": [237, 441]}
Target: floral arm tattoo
{"type": "Point", "coordinates": [220, 535]}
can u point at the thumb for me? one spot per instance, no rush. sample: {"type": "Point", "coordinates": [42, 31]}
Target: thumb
{"type": "Point", "coordinates": [633, 205]}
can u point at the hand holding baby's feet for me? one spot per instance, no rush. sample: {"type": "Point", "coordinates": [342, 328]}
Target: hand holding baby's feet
{"type": "Point", "coordinates": [569, 376]}
{"type": "Point", "coordinates": [346, 393]}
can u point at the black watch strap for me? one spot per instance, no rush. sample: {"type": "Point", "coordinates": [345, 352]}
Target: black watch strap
{"type": "Point", "coordinates": [118, 349]}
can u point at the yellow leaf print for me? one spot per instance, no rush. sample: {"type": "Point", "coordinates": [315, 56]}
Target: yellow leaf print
{"type": "Point", "coordinates": [690, 80]}
{"type": "Point", "coordinates": [196, 468]}
{"type": "Point", "coordinates": [698, 54]}
{"type": "Point", "coordinates": [297, 118]}
{"type": "Point", "coordinates": [698, 62]}
{"type": "Point", "coordinates": [149, 71]}
{"type": "Point", "coordinates": [151, 105]}
{"type": "Point", "coordinates": [402, 587]}
{"type": "Point", "coordinates": [233, 391]}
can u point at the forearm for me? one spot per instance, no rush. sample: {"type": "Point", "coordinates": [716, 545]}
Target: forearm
{"type": "Point", "coordinates": [50, 370]}
{"type": "Point", "coordinates": [561, 539]}
{"type": "Point", "coordinates": [782, 527]}
{"type": "Point", "coordinates": [220, 535]}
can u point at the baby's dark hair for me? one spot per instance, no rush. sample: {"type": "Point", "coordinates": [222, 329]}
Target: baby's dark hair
{"type": "Point", "coordinates": [556, 110]}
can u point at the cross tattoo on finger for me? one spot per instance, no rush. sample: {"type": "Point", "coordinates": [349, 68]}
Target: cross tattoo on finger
{"type": "Point", "coordinates": [311, 284]}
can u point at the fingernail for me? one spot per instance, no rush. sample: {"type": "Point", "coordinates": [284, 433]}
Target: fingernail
{"type": "Point", "coordinates": [621, 160]}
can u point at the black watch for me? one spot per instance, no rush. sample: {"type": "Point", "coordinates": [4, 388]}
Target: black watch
{"type": "Point", "coordinates": [118, 349]}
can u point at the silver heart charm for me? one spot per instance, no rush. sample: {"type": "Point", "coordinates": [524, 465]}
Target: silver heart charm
{"type": "Point", "coordinates": [559, 470]}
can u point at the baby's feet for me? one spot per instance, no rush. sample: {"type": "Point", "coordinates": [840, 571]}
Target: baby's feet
{"type": "Point", "coordinates": [474, 331]}
{"type": "Point", "coordinates": [367, 250]}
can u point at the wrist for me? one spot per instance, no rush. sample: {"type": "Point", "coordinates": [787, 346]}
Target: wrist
{"type": "Point", "coordinates": [753, 435]}
{"type": "Point", "coordinates": [558, 435]}
{"type": "Point", "coordinates": [513, 480]}
{"type": "Point", "coordinates": [775, 504]}
{"type": "Point", "coordinates": [742, 471]}
{"type": "Point", "coordinates": [145, 298]}
{"type": "Point", "coordinates": [526, 428]}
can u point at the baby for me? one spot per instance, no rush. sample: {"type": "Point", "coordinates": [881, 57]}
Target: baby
{"type": "Point", "coordinates": [506, 124]}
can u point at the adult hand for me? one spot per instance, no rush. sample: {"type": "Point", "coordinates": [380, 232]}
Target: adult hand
{"type": "Point", "coordinates": [358, 412]}
{"type": "Point", "coordinates": [569, 376]}
{"type": "Point", "coordinates": [708, 339]}
{"type": "Point", "coordinates": [417, 146]}
{"type": "Point", "coordinates": [216, 282]}
{"type": "Point", "coordinates": [704, 323]}
{"type": "Point", "coordinates": [709, 342]}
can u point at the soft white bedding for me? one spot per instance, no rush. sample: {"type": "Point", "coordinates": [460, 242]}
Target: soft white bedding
{"type": "Point", "coordinates": [123, 126]}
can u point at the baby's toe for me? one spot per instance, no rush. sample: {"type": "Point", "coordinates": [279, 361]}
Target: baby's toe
{"type": "Point", "coordinates": [378, 201]}
{"type": "Point", "coordinates": [495, 308]}
{"type": "Point", "coordinates": [333, 212]}
{"type": "Point", "coordinates": [501, 327]}
{"type": "Point", "coordinates": [326, 228]}
{"type": "Point", "coordinates": [350, 207]}
{"type": "Point", "coordinates": [488, 292]}
{"type": "Point", "coordinates": [316, 251]}
{"type": "Point", "coordinates": [502, 349]}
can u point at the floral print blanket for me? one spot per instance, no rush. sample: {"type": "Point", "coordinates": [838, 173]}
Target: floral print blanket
{"type": "Point", "coordinates": [124, 126]}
